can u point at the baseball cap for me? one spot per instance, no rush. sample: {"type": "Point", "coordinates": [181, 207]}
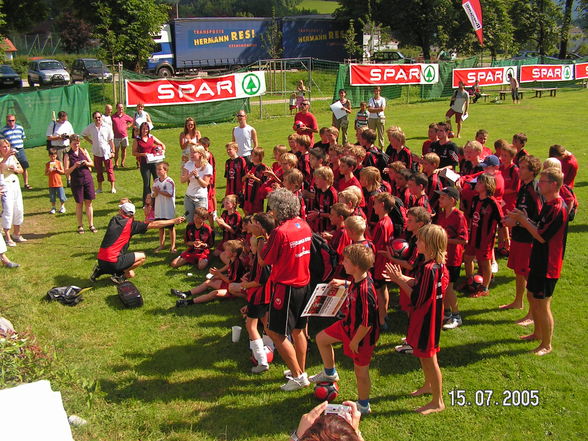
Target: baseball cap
{"type": "Point", "coordinates": [452, 192]}
{"type": "Point", "coordinates": [490, 160]}
{"type": "Point", "coordinates": [127, 208]}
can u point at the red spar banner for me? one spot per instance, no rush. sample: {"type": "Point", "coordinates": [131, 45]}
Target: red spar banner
{"type": "Point", "coordinates": [166, 92]}
{"type": "Point", "coordinates": [393, 74]}
{"type": "Point", "coordinates": [485, 76]}
{"type": "Point", "coordinates": [547, 72]}
{"type": "Point", "coordinates": [581, 71]}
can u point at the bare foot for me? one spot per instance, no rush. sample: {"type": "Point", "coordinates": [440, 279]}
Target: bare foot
{"type": "Point", "coordinates": [511, 306]}
{"type": "Point", "coordinates": [542, 351]}
{"type": "Point", "coordinates": [130, 274]}
{"type": "Point", "coordinates": [529, 337]}
{"type": "Point", "coordinates": [431, 408]}
{"type": "Point", "coordinates": [421, 391]}
{"type": "Point", "coordinates": [525, 321]}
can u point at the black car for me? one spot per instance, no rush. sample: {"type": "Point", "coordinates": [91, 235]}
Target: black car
{"type": "Point", "coordinates": [8, 77]}
{"type": "Point", "coordinates": [87, 69]}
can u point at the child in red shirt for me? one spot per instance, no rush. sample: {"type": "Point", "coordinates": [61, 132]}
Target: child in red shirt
{"type": "Point", "coordinates": [199, 238]}
{"type": "Point", "coordinates": [254, 182]}
{"type": "Point", "coordinates": [382, 233]}
{"type": "Point", "coordinates": [229, 222]}
{"type": "Point", "coordinates": [324, 198]}
{"type": "Point", "coordinates": [339, 238]}
{"type": "Point", "coordinates": [235, 169]}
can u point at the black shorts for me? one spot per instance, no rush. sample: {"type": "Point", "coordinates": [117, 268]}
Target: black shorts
{"type": "Point", "coordinates": [541, 287]}
{"type": "Point", "coordinates": [453, 273]}
{"type": "Point", "coordinates": [124, 262]}
{"type": "Point", "coordinates": [256, 311]}
{"type": "Point", "coordinates": [285, 309]}
{"type": "Point", "coordinates": [169, 227]}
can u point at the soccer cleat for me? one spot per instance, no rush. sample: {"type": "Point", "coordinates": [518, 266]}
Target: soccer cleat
{"type": "Point", "coordinates": [453, 322]}
{"type": "Point", "coordinates": [296, 383]}
{"type": "Point", "coordinates": [118, 278]}
{"type": "Point", "coordinates": [183, 302]}
{"type": "Point", "coordinates": [178, 293]}
{"type": "Point", "coordinates": [11, 243]}
{"type": "Point", "coordinates": [481, 292]}
{"type": "Point", "coordinates": [97, 272]}
{"type": "Point", "coordinates": [364, 410]}
{"type": "Point", "coordinates": [52, 211]}
{"type": "Point", "coordinates": [322, 376]}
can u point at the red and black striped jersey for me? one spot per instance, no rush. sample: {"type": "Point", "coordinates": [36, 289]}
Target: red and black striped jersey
{"type": "Point", "coordinates": [235, 169]}
{"type": "Point", "coordinates": [403, 155]}
{"type": "Point", "coordinates": [529, 201]}
{"type": "Point", "coordinates": [361, 309]}
{"type": "Point", "coordinates": [485, 217]}
{"type": "Point", "coordinates": [323, 201]}
{"type": "Point", "coordinates": [522, 152]}
{"type": "Point", "coordinates": [252, 186]}
{"type": "Point", "coordinates": [234, 221]}
{"type": "Point", "coordinates": [204, 234]}
{"type": "Point", "coordinates": [118, 234]}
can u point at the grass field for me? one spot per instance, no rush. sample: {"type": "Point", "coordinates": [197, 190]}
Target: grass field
{"type": "Point", "coordinates": [161, 373]}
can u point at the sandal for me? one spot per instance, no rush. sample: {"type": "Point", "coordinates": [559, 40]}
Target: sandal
{"type": "Point", "coordinates": [93, 229]}
{"type": "Point", "coordinates": [81, 230]}
{"type": "Point", "coordinates": [28, 187]}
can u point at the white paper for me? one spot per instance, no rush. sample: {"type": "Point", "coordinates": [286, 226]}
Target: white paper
{"type": "Point", "coordinates": [325, 301]}
{"type": "Point", "coordinates": [152, 158]}
{"type": "Point", "coordinates": [449, 174]}
{"type": "Point", "coordinates": [465, 116]}
{"type": "Point", "coordinates": [338, 110]}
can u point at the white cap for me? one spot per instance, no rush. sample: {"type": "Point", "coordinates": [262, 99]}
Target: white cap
{"type": "Point", "coordinates": [128, 208]}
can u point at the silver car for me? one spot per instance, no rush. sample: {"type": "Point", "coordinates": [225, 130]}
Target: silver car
{"type": "Point", "coordinates": [47, 72]}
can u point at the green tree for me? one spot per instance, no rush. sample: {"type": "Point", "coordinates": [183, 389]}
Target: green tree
{"type": "Point", "coordinates": [125, 27]}
{"type": "Point", "coordinates": [271, 39]}
{"type": "Point", "coordinates": [536, 24]}
{"type": "Point", "coordinates": [351, 45]}
{"type": "Point", "coordinates": [21, 15]}
{"type": "Point", "coordinates": [565, 29]}
{"type": "Point", "coordinates": [76, 41]}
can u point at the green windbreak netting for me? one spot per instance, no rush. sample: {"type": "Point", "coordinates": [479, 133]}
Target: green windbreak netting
{"type": "Point", "coordinates": [34, 110]}
{"type": "Point", "coordinates": [203, 113]}
{"type": "Point", "coordinates": [357, 94]}
{"type": "Point", "coordinates": [443, 87]}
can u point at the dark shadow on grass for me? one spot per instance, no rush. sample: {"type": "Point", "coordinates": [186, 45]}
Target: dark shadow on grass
{"type": "Point", "coordinates": [577, 228]}
{"type": "Point", "coordinates": [37, 236]}
{"type": "Point", "coordinates": [67, 280]}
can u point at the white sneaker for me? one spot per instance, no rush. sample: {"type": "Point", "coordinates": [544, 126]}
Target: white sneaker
{"type": "Point", "coordinates": [52, 211]}
{"type": "Point", "coordinates": [453, 322]}
{"type": "Point", "coordinates": [364, 410]}
{"type": "Point", "coordinates": [494, 267]}
{"type": "Point", "coordinates": [260, 368]}
{"type": "Point", "coordinates": [322, 376]}
{"type": "Point", "coordinates": [62, 210]}
{"type": "Point", "coordinates": [20, 239]}
{"type": "Point", "coordinates": [296, 383]}
{"type": "Point", "coordinates": [113, 190]}
{"type": "Point", "coordinates": [287, 374]}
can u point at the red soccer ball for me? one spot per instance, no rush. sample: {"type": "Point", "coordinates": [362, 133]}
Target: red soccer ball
{"type": "Point", "coordinates": [478, 279]}
{"type": "Point", "coordinates": [399, 248]}
{"type": "Point", "coordinates": [326, 390]}
{"type": "Point", "coordinates": [269, 355]}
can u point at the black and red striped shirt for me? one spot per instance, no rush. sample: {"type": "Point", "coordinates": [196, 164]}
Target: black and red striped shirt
{"type": "Point", "coordinates": [361, 309]}
{"type": "Point", "coordinates": [485, 217]}
{"type": "Point", "coordinates": [252, 186]}
{"type": "Point", "coordinates": [323, 201]}
{"type": "Point", "coordinates": [118, 234]}
{"type": "Point", "coordinates": [403, 155]}
{"type": "Point", "coordinates": [235, 169]}
{"type": "Point", "coordinates": [234, 221]}
{"type": "Point", "coordinates": [203, 233]}
{"type": "Point", "coordinates": [529, 201]}
{"type": "Point", "coordinates": [521, 153]}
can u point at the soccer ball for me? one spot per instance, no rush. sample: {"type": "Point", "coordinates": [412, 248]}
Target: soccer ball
{"type": "Point", "coordinates": [478, 281]}
{"type": "Point", "coordinates": [298, 124]}
{"type": "Point", "coordinates": [326, 390]}
{"type": "Point", "coordinates": [399, 248]}
{"type": "Point", "coordinates": [269, 355]}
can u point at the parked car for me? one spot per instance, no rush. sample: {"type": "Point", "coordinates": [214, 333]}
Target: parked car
{"type": "Point", "coordinates": [8, 77]}
{"type": "Point", "coordinates": [45, 72]}
{"type": "Point", "coordinates": [87, 69]}
{"type": "Point", "coordinates": [390, 56]}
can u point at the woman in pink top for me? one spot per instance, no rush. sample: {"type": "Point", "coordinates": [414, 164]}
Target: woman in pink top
{"type": "Point", "coordinates": [143, 145]}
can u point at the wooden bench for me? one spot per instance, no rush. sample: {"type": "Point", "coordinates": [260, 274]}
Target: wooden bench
{"type": "Point", "coordinates": [482, 95]}
{"type": "Point", "coordinates": [539, 91]}
{"type": "Point", "coordinates": [503, 93]}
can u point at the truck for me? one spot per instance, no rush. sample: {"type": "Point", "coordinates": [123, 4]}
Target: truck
{"type": "Point", "coordinates": [190, 45]}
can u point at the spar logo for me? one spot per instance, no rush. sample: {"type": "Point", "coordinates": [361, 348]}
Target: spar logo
{"type": "Point", "coordinates": [429, 74]}
{"type": "Point", "coordinates": [251, 84]}
{"type": "Point", "coordinates": [567, 73]}
{"type": "Point", "coordinates": [511, 71]}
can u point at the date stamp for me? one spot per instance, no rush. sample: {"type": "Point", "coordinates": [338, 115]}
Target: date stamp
{"type": "Point", "coordinates": [489, 398]}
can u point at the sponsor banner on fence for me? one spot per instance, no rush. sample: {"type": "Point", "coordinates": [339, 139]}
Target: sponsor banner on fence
{"type": "Point", "coordinates": [581, 71]}
{"type": "Point", "coordinates": [392, 74]}
{"type": "Point", "coordinates": [198, 90]}
{"type": "Point", "coordinates": [485, 76]}
{"type": "Point", "coordinates": [547, 72]}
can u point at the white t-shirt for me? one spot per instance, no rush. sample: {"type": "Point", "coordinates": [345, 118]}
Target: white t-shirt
{"type": "Point", "coordinates": [140, 118]}
{"type": "Point", "coordinates": [9, 167]}
{"type": "Point", "coordinates": [60, 129]}
{"type": "Point", "coordinates": [461, 98]}
{"type": "Point", "coordinates": [195, 190]}
{"type": "Point", "coordinates": [165, 207]}
{"type": "Point", "coordinates": [101, 138]}
{"type": "Point", "coordinates": [380, 102]}
{"type": "Point", "coordinates": [243, 139]}
{"type": "Point", "coordinates": [107, 120]}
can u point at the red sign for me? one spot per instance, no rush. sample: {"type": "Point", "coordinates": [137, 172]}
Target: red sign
{"type": "Point", "coordinates": [485, 76]}
{"type": "Point", "coordinates": [547, 72]}
{"type": "Point", "coordinates": [166, 92]}
{"type": "Point", "coordinates": [393, 74]}
{"type": "Point", "coordinates": [473, 10]}
{"type": "Point", "coordinates": [581, 71]}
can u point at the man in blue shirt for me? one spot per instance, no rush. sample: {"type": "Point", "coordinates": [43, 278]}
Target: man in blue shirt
{"type": "Point", "coordinates": [15, 135]}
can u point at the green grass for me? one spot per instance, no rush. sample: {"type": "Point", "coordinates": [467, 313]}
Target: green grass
{"type": "Point", "coordinates": [160, 373]}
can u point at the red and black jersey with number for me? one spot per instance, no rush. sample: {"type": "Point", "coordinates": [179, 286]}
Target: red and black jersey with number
{"type": "Point", "coordinates": [235, 169]}
{"type": "Point", "coordinates": [203, 233]}
{"type": "Point", "coordinates": [512, 181]}
{"type": "Point", "coordinates": [118, 234]}
{"type": "Point", "coordinates": [456, 226]}
{"type": "Point", "coordinates": [426, 308]}
{"type": "Point", "coordinates": [323, 201]}
{"type": "Point", "coordinates": [403, 155]}
{"type": "Point", "coordinates": [234, 221]}
{"type": "Point", "coordinates": [305, 168]}
{"type": "Point", "coordinates": [521, 153]}
{"type": "Point", "coordinates": [361, 309]}
{"type": "Point", "coordinates": [448, 153]}
{"type": "Point", "coordinates": [485, 217]}
{"type": "Point", "coordinates": [259, 295]}
{"type": "Point", "coordinates": [547, 258]}
{"type": "Point", "coordinates": [529, 201]}
{"type": "Point", "coordinates": [420, 201]}
{"type": "Point", "coordinates": [254, 194]}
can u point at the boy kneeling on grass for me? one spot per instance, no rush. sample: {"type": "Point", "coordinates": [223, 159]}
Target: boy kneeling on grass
{"type": "Point", "coordinates": [223, 281]}
{"type": "Point", "coordinates": [359, 330]}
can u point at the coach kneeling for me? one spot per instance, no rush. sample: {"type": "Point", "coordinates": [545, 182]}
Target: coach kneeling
{"type": "Point", "coordinates": [112, 256]}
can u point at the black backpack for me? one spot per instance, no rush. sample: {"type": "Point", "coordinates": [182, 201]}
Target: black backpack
{"type": "Point", "coordinates": [66, 295]}
{"type": "Point", "coordinates": [129, 295]}
{"type": "Point", "coordinates": [323, 260]}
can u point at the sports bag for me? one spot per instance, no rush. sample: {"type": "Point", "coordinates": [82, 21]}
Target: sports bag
{"type": "Point", "coordinates": [129, 295]}
{"type": "Point", "coordinates": [66, 295]}
{"type": "Point", "coordinates": [323, 260]}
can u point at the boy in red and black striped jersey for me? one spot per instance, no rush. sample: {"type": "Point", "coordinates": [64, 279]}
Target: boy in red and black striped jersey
{"type": "Point", "coordinates": [224, 281]}
{"type": "Point", "coordinates": [374, 157]}
{"type": "Point", "coordinates": [358, 330]}
{"type": "Point", "coordinates": [199, 238]}
{"type": "Point", "coordinates": [347, 165]}
{"type": "Point", "coordinates": [356, 228]}
{"type": "Point", "coordinates": [254, 181]}
{"type": "Point", "coordinates": [485, 218]}
{"type": "Point", "coordinates": [510, 174]}
{"type": "Point", "coordinates": [549, 244]}
{"type": "Point", "coordinates": [229, 222]}
{"type": "Point", "coordinates": [519, 140]}
{"type": "Point", "coordinates": [302, 146]}
{"type": "Point", "coordinates": [324, 198]}
{"type": "Point", "coordinates": [400, 184]}
{"type": "Point", "coordinates": [235, 169]}
{"type": "Point", "coordinates": [371, 184]}
{"type": "Point", "coordinates": [529, 201]}
{"type": "Point", "coordinates": [293, 181]}
{"type": "Point", "coordinates": [427, 289]}
{"type": "Point", "coordinates": [396, 150]}
{"type": "Point", "coordinates": [317, 160]}
{"type": "Point", "coordinates": [339, 238]}
{"type": "Point", "coordinates": [417, 185]}
{"type": "Point", "coordinates": [430, 163]}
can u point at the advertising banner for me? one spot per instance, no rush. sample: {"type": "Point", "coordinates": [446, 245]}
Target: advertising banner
{"type": "Point", "coordinates": [313, 37]}
{"type": "Point", "coordinates": [473, 10]}
{"type": "Point", "coordinates": [198, 90]}
{"type": "Point", "coordinates": [393, 74]}
{"type": "Point", "coordinates": [547, 72]}
{"type": "Point", "coordinates": [581, 71]}
{"type": "Point", "coordinates": [485, 76]}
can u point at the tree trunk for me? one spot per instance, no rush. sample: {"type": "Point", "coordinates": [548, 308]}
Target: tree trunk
{"type": "Point", "coordinates": [565, 29]}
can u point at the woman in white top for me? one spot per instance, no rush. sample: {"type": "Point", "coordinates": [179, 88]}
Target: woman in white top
{"type": "Point", "coordinates": [190, 135]}
{"type": "Point", "coordinates": [460, 103]}
{"type": "Point", "coordinates": [197, 173]}
{"type": "Point", "coordinates": [12, 206]}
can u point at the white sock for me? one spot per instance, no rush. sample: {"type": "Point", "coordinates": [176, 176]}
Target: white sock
{"type": "Point", "coordinates": [258, 350]}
